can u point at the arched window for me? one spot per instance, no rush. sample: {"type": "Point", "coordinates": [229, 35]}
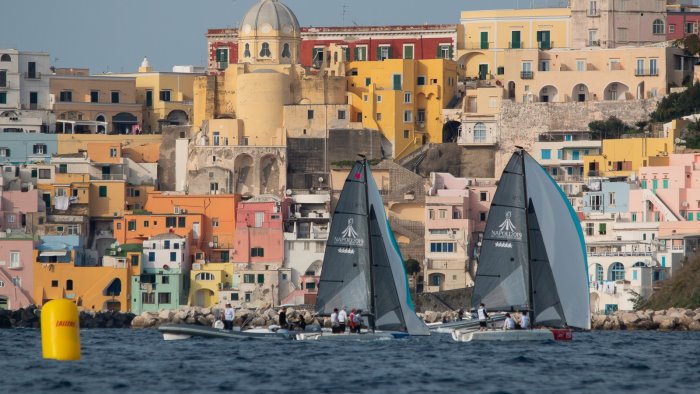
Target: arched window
{"type": "Point", "coordinates": [285, 51]}
{"type": "Point", "coordinates": [598, 272]}
{"type": "Point", "coordinates": [639, 264]}
{"type": "Point", "coordinates": [658, 27]}
{"type": "Point", "coordinates": [5, 58]}
{"type": "Point", "coordinates": [204, 276]}
{"type": "Point", "coordinates": [265, 50]}
{"type": "Point", "coordinates": [246, 52]}
{"type": "Point", "coordinates": [616, 272]}
{"type": "Point", "coordinates": [479, 132]}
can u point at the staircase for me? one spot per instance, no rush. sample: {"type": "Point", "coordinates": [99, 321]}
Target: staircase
{"type": "Point", "coordinates": [669, 215]}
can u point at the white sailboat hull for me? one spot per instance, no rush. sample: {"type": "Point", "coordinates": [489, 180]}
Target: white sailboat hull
{"type": "Point", "coordinates": [368, 336]}
{"type": "Point", "coordinates": [511, 335]}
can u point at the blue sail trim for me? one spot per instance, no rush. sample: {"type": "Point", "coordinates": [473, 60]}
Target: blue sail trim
{"type": "Point", "coordinates": [409, 300]}
{"type": "Point", "coordinates": [579, 231]}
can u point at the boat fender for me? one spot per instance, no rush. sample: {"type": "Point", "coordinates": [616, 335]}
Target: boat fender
{"type": "Point", "coordinates": [219, 325]}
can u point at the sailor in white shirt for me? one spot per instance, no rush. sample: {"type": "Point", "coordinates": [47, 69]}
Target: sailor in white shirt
{"type": "Point", "coordinates": [229, 317]}
{"type": "Point", "coordinates": [483, 316]}
{"type": "Point", "coordinates": [342, 320]}
{"type": "Point", "coordinates": [509, 324]}
{"type": "Point", "coordinates": [524, 321]}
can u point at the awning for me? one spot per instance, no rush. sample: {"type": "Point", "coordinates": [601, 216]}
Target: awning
{"type": "Point", "coordinates": [50, 253]}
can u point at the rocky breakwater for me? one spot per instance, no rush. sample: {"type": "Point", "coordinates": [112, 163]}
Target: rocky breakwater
{"type": "Point", "coordinates": [246, 318]}
{"type": "Point", "coordinates": [438, 317]}
{"type": "Point", "coordinates": [30, 317]}
{"type": "Point", "coordinates": [673, 319]}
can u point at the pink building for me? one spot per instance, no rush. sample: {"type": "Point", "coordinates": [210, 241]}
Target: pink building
{"type": "Point", "coordinates": [456, 211]}
{"type": "Point", "coordinates": [260, 230]}
{"type": "Point", "coordinates": [681, 20]}
{"type": "Point", "coordinates": [16, 272]}
{"type": "Point", "coordinates": [17, 209]}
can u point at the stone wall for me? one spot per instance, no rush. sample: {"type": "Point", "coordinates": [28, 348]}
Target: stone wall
{"type": "Point", "coordinates": [345, 144]}
{"type": "Point", "coordinates": [520, 124]}
{"type": "Point", "coordinates": [306, 163]}
{"type": "Point", "coordinates": [166, 160]}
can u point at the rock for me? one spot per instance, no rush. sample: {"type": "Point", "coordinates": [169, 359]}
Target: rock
{"type": "Point", "coordinates": [190, 319]}
{"type": "Point", "coordinates": [607, 325]}
{"type": "Point", "coordinates": [646, 325]}
{"type": "Point", "coordinates": [150, 322]}
{"type": "Point", "coordinates": [629, 319]}
{"type": "Point", "coordinates": [5, 321]}
{"type": "Point", "coordinates": [694, 326]}
{"type": "Point", "coordinates": [430, 316]}
{"type": "Point", "coordinates": [669, 323]}
{"type": "Point", "coordinates": [690, 313]}
{"type": "Point", "coordinates": [258, 322]}
{"type": "Point", "coordinates": [180, 315]}
{"type": "Point", "coordinates": [597, 322]}
{"type": "Point", "coordinates": [138, 322]}
{"type": "Point", "coordinates": [202, 321]}
{"type": "Point", "coordinates": [206, 311]}
{"type": "Point", "coordinates": [166, 315]}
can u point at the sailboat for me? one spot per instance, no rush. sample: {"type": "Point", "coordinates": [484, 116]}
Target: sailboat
{"type": "Point", "coordinates": [533, 257]}
{"type": "Point", "coordinates": [362, 265]}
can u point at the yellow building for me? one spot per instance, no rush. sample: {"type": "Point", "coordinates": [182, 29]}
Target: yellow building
{"type": "Point", "coordinates": [211, 283]}
{"type": "Point", "coordinates": [485, 38]}
{"type": "Point", "coordinates": [624, 157]}
{"type": "Point", "coordinates": [166, 97]}
{"type": "Point", "coordinates": [403, 99]}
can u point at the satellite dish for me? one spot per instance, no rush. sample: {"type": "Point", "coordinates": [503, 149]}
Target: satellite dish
{"type": "Point", "coordinates": [288, 192]}
{"type": "Point", "coordinates": [211, 244]}
{"type": "Point", "coordinates": [320, 179]}
{"type": "Point", "coordinates": [119, 249]}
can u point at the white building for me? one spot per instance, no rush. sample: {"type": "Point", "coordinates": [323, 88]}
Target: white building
{"type": "Point", "coordinates": [24, 91]}
{"type": "Point", "coordinates": [166, 252]}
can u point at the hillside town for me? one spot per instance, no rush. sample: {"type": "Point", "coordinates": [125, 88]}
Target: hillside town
{"type": "Point", "coordinates": [209, 185]}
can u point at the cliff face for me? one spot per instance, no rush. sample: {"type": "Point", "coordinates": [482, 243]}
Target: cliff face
{"type": "Point", "coordinates": [682, 291]}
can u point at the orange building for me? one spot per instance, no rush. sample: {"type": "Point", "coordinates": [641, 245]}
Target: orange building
{"type": "Point", "coordinates": [136, 228]}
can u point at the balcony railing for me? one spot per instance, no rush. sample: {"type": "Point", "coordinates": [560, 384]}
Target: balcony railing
{"type": "Point", "coordinates": [593, 12]}
{"type": "Point", "coordinates": [221, 65]}
{"type": "Point", "coordinates": [593, 43]}
{"type": "Point", "coordinates": [515, 44]}
{"type": "Point", "coordinates": [527, 74]}
{"type": "Point", "coordinates": [35, 75]}
{"type": "Point", "coordinates": [544, 45]}
{"type": "Point", "coordinates": [108, 177]}
{"type": "Point", "coordinates": [650, 72]}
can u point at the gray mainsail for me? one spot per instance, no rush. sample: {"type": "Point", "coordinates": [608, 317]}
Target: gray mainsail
{"type": "Point", "coordinates": [546, 307]}
{"type": "Point", "coordinates": [502, 275]}
{"type": "Point", "coordinates": [393, 305]}
{"type": "Point", "coordinates": [564, 243]}
{"type": "Point", "coordinates": [345, 276]}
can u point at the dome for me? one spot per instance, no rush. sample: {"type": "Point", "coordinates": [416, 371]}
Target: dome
{"type": "Point", "coordinates": [270, 18]}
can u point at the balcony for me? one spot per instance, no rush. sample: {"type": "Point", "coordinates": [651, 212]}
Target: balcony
{"type": "Point", "coordinates": [108, 177]}
{"type": "Point", "coordinates": [544, 45]}
{"type": "Point", "coordinates": [593, 12]}
{"type": "Point", "coordinates": [650, 72]}
{"type": "Point", "coordinates": [515, 44]}
{"type": "Point", "coordinates": [477, 140]}
{"type": "Point", "coordinates": [35, 75]}
{"type": "Point", "coordinates": [593, 43]}
{"type": "Point", "coordinates": [222, 65]}
{"type": "Point", "coordinates": [527, 74]}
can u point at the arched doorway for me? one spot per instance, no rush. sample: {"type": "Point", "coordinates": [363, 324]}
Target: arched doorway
{"type": "Point", "coordinates": [178, 117]}
{"type": "Point", "coordinates": [100, 128]}
{"type": "Point", "coordinates": [124, 122]}
{"type": "Point", "coordinates": [450, 131]}
{"type": "Point", "coordinates": [640, 91]}
{"type": "Point", "coordinates": [549, 94]}
{"type": "Point", "coordinates": [580, 93]}
{"type": "Point", "coordinates": [114, 289]}
{"type": "Point", "coordinates": [616, 91]}
{"type": "Point", "coordinates": [511, 90]}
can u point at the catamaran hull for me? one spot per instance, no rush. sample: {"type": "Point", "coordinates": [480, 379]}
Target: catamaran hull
{"type": "Point", "coordinates": [512, 335]}
{"type": "Point", "coordinates": [369, 336]}
{"type": "Point", "coordinates": [184, 331]}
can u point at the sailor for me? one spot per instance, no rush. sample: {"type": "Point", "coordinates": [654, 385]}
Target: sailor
{"type": "Point", "coordinates": [334, 321]}
{"type": "Point", "coordinates": [524, 321]}
{"type": "Point", "coordinates": [460, 314]}
{"type": "Point", "coordinates": [342, 320]}
{"type": "Point", "coordinates": [351, 320]}
{"type": "Point", "coordinates": [483, 316]}
{"type": "Point", "coordinates": [357, 321]}
{"type": "Point", "coordinates": [228, 317]}
{"type": "Point", "coordinates": [302, 322]}
{"type": "Point", "coordinates": [283, 317]}
{"type": "Point", "coordinates": [509, 324]}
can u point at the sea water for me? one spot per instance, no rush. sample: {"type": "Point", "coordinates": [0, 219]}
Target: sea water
{"type": "Point", "coordinates": [141, 361]}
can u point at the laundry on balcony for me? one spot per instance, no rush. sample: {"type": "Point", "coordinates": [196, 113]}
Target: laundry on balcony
{"type": "Point", "coordinates": [62, 202]}
{"type": "Point", "coordinates": [53, 253]}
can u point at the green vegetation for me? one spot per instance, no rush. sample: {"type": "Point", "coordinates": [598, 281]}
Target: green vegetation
{"type": "Point", "coordinates": [350, 163]}
{"type": "Point", "coordinates": [412, 266]}
{"type": "Point", "coordinates": [126, 248]}
{"type": "Point", "coordinates": [612, 128]}
{"type": "Point", "coordinates": [682, 291]}
{"type": "Point", "coordinates": [692, 139]}
{"type": "Point", "coordinates": [677, 105]}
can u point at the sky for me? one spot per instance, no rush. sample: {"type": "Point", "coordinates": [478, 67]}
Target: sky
{"type": "Point", "coordinates": [115, 35]}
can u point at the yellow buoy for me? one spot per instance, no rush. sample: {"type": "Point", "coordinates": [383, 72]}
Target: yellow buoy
{"type": "Point", "coordinates": [60, 330]}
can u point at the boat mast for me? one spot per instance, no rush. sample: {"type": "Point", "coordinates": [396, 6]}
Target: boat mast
{"type": "Point", "coordinates": [372, 323]}
{"type": "Point", "coordinates": [531, 292]}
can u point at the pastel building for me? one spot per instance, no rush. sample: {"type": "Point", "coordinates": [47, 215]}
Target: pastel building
{"type": "Point", "coordinates": [25, 148]}
{"type": "Point", "coordinates": [456, 211]}
{"type": "Point", "coordinates": [211, 284]}
{"type": "Point", "coordinates": [16, 271]}
{"type": "Point", "coordinates": [682, 20]}
{"type": "Point", "coordinates": [24, 92]}
{"type": "Point", "coordinates": [164, 279]}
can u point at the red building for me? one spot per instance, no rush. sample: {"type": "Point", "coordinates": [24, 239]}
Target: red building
{"type": "Point", "coordinates": [682, 20]}
{"type": "Point", "coordinates": [362, 42]}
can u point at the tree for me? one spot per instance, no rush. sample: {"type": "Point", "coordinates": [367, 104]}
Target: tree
{"type": "Point", "coordinates": [691, 43]}
{"type": "Point", "coordinates": [609, 128]}
{"type": "Point", "coordinates": [412, 266]}
{"type": "Point", "coordinates": [677, 105]}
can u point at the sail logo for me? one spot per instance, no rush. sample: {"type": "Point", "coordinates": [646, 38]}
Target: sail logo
{"type": "Point", "coordinates": [507, 229]}
{"type": "Point", "coordinates": [349, 236]}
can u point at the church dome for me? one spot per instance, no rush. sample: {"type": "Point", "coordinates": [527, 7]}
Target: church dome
{"type": "Point", "coordinates": [270, 18]}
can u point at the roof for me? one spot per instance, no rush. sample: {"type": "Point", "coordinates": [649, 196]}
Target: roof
{"type": "Point", "coordinates": [165, 236]}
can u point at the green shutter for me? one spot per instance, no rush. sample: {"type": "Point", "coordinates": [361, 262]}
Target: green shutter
{"type": "Point", "coordinates": [408, 52]}
{"type": "Point", "coordinates": [347, 54]}
{"type": "Point", "coordinates": [484, 40]}
{"type": "Point", "coordinates": [103, 191]}
{"type": "Point", "coordinates": [451, 53]}
{"type": "Point", "coordinates": [390, 53]}
{"type": "Point", "coordinates": [357, 53]}
{"type": "Point", "coordinates": [379, 53]}
{"type": "Point", "coordinates": [439, 52]}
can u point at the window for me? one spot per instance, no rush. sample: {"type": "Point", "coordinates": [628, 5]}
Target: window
{"type": "Point", "coordinates": [406, 134]}
{"type": "Point", "coordinates": [248, 278]}
{"type": "Point", "coordinates": [54, 283]}
{"type": "Point", "coordinates": [657, 27]}
{"type": "Point", "coordinates": [361, 53]}
{"type": "Point", "coordinates": [310, 114]}
{"type": "Point", "coordinates": [66, 96]}
{"type": "Point", "coordinates": [341, 114]}
{"type": "Point", "coordinates": [134, 260]}
{"type": "Point", "coordinates": [671, 28]}
{"type": "Point", "coordinates": [181, 221]}
{"type": "Point", "coordinates": [379, 99]}
{"type": "Point", "coordinates": [442, 247]}
{"type": "Point", "coordinates": [546, 154]}
{"type": "Point", "coordinates": [420, 115]}
{"type": "Point", "coordinates": [580, 65]}
{"type": "Point", "coordinates": [148, 298]}
{"type": "Point", "coordinates": [69, 284]}
{"type": "Point", "coordinates": [259, 219]}
{"type": "Point", "coordinates": [131, 225]}
{"type": "Point", "coordinates": [444, 51]}
{"type": "Point", "coordinates": [257, 252]}
{"type": "Point", "coordinates": [94, 96]}
{"type": "Point", "coordinates": [261, 278]}
{"type": "Point", "coordinates": [14, 260]}
{"type": "Point", "coordinates": [379, 116]}
{"type": "Point", "coordinates": [652, 67]}
{"type": "Point", "coordinates": [3, 97]}
{"type": "Point", "coordinates": [407, 97]}
{"type": "Point", "coordinates": [616, 272]}
{"type": "Point", "coordinates": [102, 191]}
{"type": "Point", "coordinates": [483, 196]}
{"type": "Point", "coordinates": [215, 222]}
{"type": "Point", "coordinates": [204, 276]}
{"type": "Point", "coordinates": [368, 81]}
{"type": "Point", "coordinates": [163, 298]}
{"type": "Point", "coordinates": [170, 221]}
{"type": "Point", "coordinates": [39, 149]}
{"type": "Point", "coordinates": [164, 95]}
{"type": "Point", "coordinates": [602, 229]}
{"type": "Point", "coordinates": [5, 58]}
{"type": "Point", "coordinates": [408, 116]}
{"type": "Point", "coordinates": [383, 52]}
{"type": "Point", "coordinates": [408, 51]}
{"type": "Point", "coordinates": [165, 280]}
{"type": "Point", "coordinates": [213, 187]}
{"type": "Point", "coordinates": [265, 50]}
{"type": "Point", "coordinates": [598, 272]}
{"type": "Point", "coordinates": [482, 216]}
{"type": "Point", "coordinates": [286, 53]}
{"type": "Point", "coordinates": [397, 80]}
{"type": "Point", "coordinates": [115, 97]}
{"type": "Point", "coordinates": [151, 256]}
{"type": "Point", "coordinates": [173, 256]}
{"type": "Point", "coordinates": [420, 81]}
{"type": "Point", "coordinates": [246, 51]}
{"type": "Point", "coordinates": [112, 152]}
{"type": "Point", "coordinates": [479, 132]}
